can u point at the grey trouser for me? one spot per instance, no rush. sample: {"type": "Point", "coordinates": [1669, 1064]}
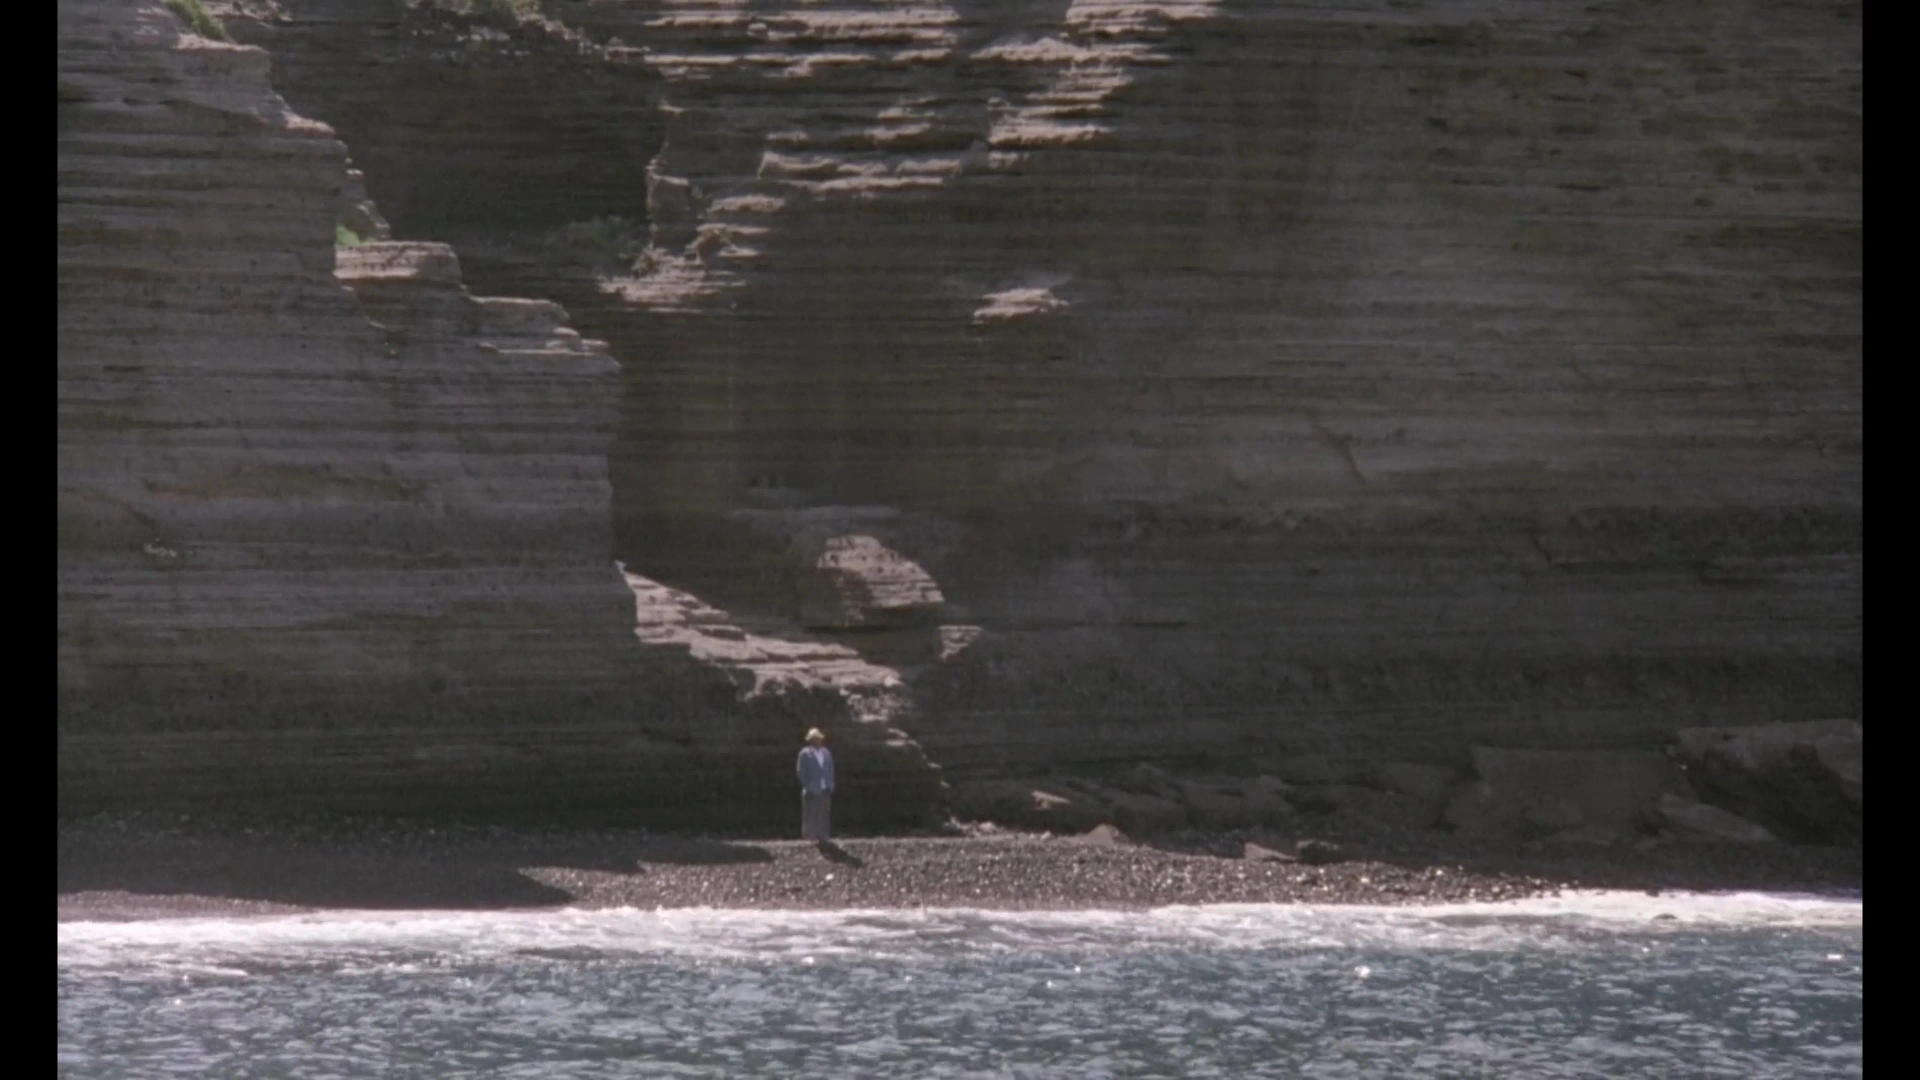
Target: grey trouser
{"type": "Point", "coordinates": [813, 816]}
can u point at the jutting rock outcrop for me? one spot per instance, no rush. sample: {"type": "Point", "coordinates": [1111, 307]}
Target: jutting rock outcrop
{"type": "Point", "coordinates": [335, 533]}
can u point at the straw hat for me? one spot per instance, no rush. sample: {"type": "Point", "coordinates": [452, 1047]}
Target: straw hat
{"type": "Point", "coordinates": [816, 735]}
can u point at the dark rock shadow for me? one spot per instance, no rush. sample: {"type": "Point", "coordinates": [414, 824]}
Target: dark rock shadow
{"type": "Point", "coordinates": [306, 879]}
{"type": "Point", "coordinates": [361, 864]}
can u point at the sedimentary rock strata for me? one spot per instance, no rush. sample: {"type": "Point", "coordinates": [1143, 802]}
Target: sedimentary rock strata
{"type": "Point", "coordinates": [334, 532]}
{"type": "Point", "coordinates": [1362, 380]}
{"type": "Point", "coordinates": [1245, 381]}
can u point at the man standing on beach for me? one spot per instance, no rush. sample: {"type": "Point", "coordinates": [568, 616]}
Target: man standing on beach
{"type": "Point", "coordinates": [815, 769]}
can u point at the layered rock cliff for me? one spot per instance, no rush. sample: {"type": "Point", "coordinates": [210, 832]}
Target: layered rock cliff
{"type": "Point", "coordinates": [1170, 379]}
{"type": "Point", "coordinates": [1368, 379]}
{"type": "Point", "coordinates": [335, 533]}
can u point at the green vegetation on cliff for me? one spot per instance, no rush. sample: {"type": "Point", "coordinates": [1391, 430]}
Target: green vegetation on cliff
{"type": "Point", "coordinates": [199, 19]}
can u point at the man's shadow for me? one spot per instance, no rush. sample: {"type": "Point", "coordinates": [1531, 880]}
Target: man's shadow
{"type": "Point", "coordinates": [836, 853]}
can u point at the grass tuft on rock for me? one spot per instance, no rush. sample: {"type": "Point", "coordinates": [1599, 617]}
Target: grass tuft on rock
{"type": "Point", "coordinates": [199, 19]}
{"type": "Point", "coordinates": [514, 10]}
{"type": "Point", "coordinates": [346, 238]}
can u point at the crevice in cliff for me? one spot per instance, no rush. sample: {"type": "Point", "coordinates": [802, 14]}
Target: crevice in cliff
{"type": "Point", "coordinates": [485, 126]}
{"type": "Point", "coordinates": [502, 64]}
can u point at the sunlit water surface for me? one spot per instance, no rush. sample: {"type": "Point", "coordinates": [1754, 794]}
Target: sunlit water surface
{"type": "Point", "coordinates": [1585, 985]}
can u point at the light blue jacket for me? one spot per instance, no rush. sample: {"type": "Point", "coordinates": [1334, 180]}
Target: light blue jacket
{"type": "Point", "coordinates": [815, 769]}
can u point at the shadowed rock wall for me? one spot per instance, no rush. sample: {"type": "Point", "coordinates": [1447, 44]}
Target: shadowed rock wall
{"type": "Point", "coordinates": [1367, 379]}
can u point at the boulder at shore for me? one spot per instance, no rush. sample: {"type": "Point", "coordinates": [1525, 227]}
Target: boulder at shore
{"type": "Point", "coordinates": [1698, 820]}
{"type": "Point", "coordinates": [1539, 793]}
{"type": "Point", "coordinates": [1028, 804]}
{"type": "Point", "coordinates": [1801, 780]}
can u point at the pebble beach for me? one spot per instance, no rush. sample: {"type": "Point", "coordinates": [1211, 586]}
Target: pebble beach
{"type": "Point", "coordinates": [146, 866]}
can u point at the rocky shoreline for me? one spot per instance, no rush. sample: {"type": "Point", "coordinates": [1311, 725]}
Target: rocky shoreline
{"type": "Point", "coordinates": [134, 866]}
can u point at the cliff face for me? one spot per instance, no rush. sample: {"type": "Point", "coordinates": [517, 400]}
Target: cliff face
{"type": "Point", "coordinates": [1372, 379]}
{"type": "Point", "coordinates": [1098, 379]}
{"type": "Point", "coordinates": [335, 533]}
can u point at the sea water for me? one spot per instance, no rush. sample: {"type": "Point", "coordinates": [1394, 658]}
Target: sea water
{"type": "Point", "coordinates": [1582, 985]}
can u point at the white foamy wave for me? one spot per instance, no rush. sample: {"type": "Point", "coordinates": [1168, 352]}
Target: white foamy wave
{"type": "Point", "coordinates": [1621, 910]}
{"type": "Point", "coordinates": [238, 946]}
